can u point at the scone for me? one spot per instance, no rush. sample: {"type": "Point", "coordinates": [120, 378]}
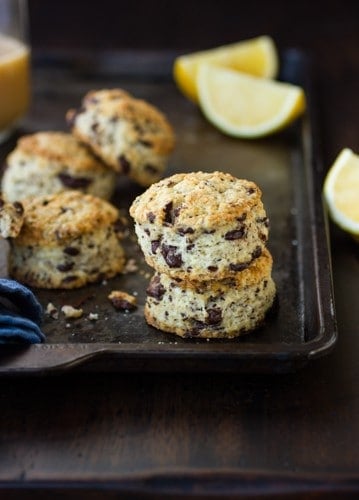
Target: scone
{"type": "Point", "coordinates": [129, 135]}
{"type": "Point", "coordinates": [67, 240]}
{"type": "Point", "coordinates": [201, 226]}
{"type": "Point", "coordinates": [11, 218]}
{"type": "Point", "coordinates": [49, 162]}
{"type": "Point", "coordinates": [212, 309]}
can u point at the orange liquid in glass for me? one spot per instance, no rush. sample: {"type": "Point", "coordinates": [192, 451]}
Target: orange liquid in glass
{"type": "Point", "coordinates": [14, 80]}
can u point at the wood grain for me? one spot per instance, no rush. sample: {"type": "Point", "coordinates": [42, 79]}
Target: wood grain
{"type": "Point", "coordinates": [205, 435]}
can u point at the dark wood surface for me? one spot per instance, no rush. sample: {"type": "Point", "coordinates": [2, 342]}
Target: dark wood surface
{"type": "Point", "coordinates": [210, 435]}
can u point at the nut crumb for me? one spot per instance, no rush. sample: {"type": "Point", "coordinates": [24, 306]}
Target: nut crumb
{"type": "Point", "coordinates": [93, 316]}
{"type": "Point", "coordinates": [52, 311]}
{"type": "Point", "coordinates": [122, 301]}
{"type": "Point", "coordinates": [71, 312]}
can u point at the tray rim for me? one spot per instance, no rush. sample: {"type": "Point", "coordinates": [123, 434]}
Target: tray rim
{"type": "Point", "coordinates": [80, 354]}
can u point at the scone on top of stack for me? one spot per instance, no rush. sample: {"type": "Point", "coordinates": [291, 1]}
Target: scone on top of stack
{"type": "Point", "coordinates": [67, 240]}
{"type": "Point", "coordinates": [49, 162]}
{"type": "Point", "coordinates": [205, 235]}
{"type": "Point", "coordinates": [130, 135]}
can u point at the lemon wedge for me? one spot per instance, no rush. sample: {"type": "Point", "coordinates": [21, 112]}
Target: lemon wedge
{"type": "Point", "coordinates": [257, 56]}
{"type": "Point", "coordinates": [341, 191]}
{"type": "Point", "coordinates": [245, 106]}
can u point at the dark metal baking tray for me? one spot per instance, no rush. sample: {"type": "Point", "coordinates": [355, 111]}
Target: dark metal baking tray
{"type": "Point", "coordinates": [286, 166]}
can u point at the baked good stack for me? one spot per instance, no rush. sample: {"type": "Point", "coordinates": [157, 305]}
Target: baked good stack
{"type": "Point", "coordinates": [205, 235]}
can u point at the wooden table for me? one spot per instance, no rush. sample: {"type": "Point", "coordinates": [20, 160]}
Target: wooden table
{"type": "Point", "coordinates": [206, 435]}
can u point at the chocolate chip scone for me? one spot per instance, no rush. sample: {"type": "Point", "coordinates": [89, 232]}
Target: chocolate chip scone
{"type": "Point", "coordinates": [129, 135]}
{"type": "Point", "coordinates": [49, 162]}
{"type": "Point", "coordinates": [212, 309]}
{"type": "Point", "coordinates": [201, 226]}
{"type": "Point", "coordinates": [67, 240]}
{"type": "Point", "coordinates": [11, 218]}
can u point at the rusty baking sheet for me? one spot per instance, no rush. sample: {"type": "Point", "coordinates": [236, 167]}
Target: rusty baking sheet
{"type": "Point", "coordinates": [286, 166]}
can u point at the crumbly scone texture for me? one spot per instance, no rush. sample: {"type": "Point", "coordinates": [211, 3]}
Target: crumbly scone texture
{"type": "Point", "coordinates": [50, 162]}
{"type": "Point", "coordinates": [11, 218]}
{"type": "Point", "coordinates": [201, 226]}
{"type": "Point", "coordinates": [215, 309]}
{"type": "Point", "coordinates": [67, 240]}
{"type": "Point", "coordinates": [130, 135]}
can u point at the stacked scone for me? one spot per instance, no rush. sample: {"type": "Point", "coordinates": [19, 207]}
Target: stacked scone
{"type": "Point", "coordinates": [205, 235]}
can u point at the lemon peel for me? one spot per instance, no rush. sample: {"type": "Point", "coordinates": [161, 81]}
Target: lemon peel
{"type": "Point", "coordinates": [257, 56]}
{"type": "Point", "coordinates": [341, 191]}
{"type": "Point", "coordinates": [245, 106]}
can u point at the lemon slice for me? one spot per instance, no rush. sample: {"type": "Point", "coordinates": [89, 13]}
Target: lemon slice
{"type": "Point", "coordinates": [241, 105]}
{"type": "Point", "coordinates": [257, 56]}
{"type": "Point", "coordinates": [341, 191]}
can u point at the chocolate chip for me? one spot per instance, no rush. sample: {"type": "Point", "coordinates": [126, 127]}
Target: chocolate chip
{"type": "Point", "coordinates": [2, 202]}
{"type": "Point", "coordinates": [155, 289]}
{"type": "Point", "coordinates": [124, 163]}
{"type": "Point", "coordinates": [151, 217]}
{"type": "Point", "coordinates": [68, 279]}
{"type": "Point", "coordinates": [147, 144]}
{"type": "Point", "coordinates": [242, 218]}
{"type": "Point", "coordinates": [212, 268]}
{"type": "Point", "coordinates": [238, 267]}
{"type": "Point", "coordinates": [71, 251]}
{"type": "Point", "coordinates": [257, 252]}
{"type": "Point", "coordinates": [250, 190]}
{"type": "Point", "coordinates": [263, 237]}
{"type": "Point", "coordinates": [190, 247]}
{"type": "Point", "coordinates": [147, 231]}
{"type": "Point", "coordinates": [94, 127]}
{"type": "Point", "coordinates": [151, 169]}
{"type": "Point", "coordinates": [196, 329]}
{"type": "Point", "coordinates": [172, 258]}
{"type": "Point", "coordinates": [154, 245]}
{"type": "Point", "coordinates": [119, 225]}
{"type": "Point", "coordinates": [263, 220]}
{"type": "Point", "coordinates": [65, 267]}
{"type": "Point", "coordinates": [168, 218]}
{"type": "Point", "coordinates": [185, 230]}
{"type": "Point", "coordinates": [122, 304]}
{"type": "Point", "coordinates": [18, 207]}
{"type": "Point", "coordinates": [214, 316]}
{"type": "Point", "coordinates": [236, 234]}
{"type": "Point", "coordinates": [74, 182]}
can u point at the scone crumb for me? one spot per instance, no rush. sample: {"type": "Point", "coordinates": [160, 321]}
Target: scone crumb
{"type": "Point", "coordinates": [52, 311]}
{"type": "Point", "coordinates": [71, 312]}
{"type": "Point", "coordinates": [130, 267]}
{"type": "Point", "coordinates": [122, 301]}
{"type": "Point", "coordinates": [93, 316]}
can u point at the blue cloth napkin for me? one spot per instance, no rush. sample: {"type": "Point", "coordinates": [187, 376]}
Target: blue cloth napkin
{"type": "Point", "coordinates": [20, 314]}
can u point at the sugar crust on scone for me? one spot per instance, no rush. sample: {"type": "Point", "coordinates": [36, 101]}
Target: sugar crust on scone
{"type": "Point", "coordinates": [201, 226]}
{"type": "Point", "coordinates": [130, 135]}
{"type": "Point", "coordinates": [67, 240]}
{"type": "Point", "coordinates": [49, 162]}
